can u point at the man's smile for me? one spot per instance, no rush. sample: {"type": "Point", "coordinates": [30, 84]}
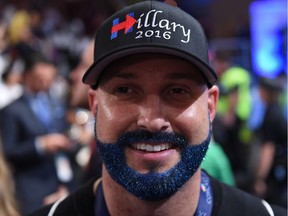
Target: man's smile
{"type": "Point", "coordinates": [151, 148]}
{"type": "Point", "coordinates": [161, 157]}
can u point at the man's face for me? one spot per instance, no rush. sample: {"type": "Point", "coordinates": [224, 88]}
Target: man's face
{"type": "Point", "coordinates": [41, 77]}
{"type": "Point", "coordinates": [154, 93]}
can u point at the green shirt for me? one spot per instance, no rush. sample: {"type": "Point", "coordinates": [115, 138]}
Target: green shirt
{"type": "Point", "coordinates": [217, 164]}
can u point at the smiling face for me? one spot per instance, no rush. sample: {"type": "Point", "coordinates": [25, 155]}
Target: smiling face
{"type": "Point", "coordinates": [164, 104]}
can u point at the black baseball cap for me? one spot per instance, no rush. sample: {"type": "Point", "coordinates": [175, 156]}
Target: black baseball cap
{"type": "Point", "coordinates": [150, 27]}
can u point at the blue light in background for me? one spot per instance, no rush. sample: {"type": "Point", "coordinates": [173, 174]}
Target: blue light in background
{"type": "Point", "coordinates": [269, 37]}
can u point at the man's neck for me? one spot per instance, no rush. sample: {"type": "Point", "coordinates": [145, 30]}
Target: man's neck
{"type": "Point", "coordinates": [121, 203]}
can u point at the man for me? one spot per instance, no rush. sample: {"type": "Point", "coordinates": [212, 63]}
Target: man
{"type": "Point", "coordinates": [271, 170]}
{"type": "Point", "coordinates": [156, 98]}
{"type": "Point", "coordinates": [32, 131]}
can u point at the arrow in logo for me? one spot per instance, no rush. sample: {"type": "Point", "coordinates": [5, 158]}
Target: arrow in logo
{"type": "Point", "coordinates": [127, 25]}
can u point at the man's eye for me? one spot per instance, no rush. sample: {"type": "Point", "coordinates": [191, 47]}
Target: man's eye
{"type": "Point", "coordinates": [178, 91]}
{"type": "Point", "coordinates": [123, 90]}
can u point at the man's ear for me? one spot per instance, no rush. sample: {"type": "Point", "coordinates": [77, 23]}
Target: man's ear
{"type": "Point", "coordinates": [92, 101]}
{"type": "Point", "coordinates": [213, 94]}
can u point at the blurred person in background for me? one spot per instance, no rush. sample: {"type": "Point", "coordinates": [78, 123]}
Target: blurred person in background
{"type": "Point", "coordinates": [33, 131]}
{"type": "Point", "coordinates": [271, 172]}
{"type": "Point", "coordinates": [82, 128]}
{"type": "Point", "coordinates": [11, 84]}
{"type": "Point", "coordinates": [8, 205]}
{"type": "Point", "coordinates": [220, 62]}
{"type": "Point", "coordinates": [230, 125]}
{"type": "Point", "coordinates": [3, 35]}
{"type": "Point", "coordinates": [217, 164]}
{"type": "Point", "coordinates": [79, 91]}
{"type": "Point", "coordinates": [25, 32]}
{"type": "Point", "coordinates": [20, 33]}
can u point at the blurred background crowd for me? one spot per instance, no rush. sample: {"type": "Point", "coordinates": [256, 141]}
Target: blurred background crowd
{"type": "Point", "coordinates": [47, 146]}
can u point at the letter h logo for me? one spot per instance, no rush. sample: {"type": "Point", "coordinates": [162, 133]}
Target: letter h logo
{"type": "Point", "coordinates": [127, 25]}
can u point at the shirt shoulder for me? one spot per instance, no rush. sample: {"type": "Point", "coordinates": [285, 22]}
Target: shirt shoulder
{"type": "Point", "coordinates": [80, 202]}
{"type": "Point", "coordinates": [229, 200]}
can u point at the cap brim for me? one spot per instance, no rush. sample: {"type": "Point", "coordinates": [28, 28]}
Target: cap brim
{"type": "Point", "coordinates": [94, 71]}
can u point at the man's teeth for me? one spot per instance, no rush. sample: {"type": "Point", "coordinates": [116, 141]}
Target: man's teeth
{"type": "Point", "coordinates": [151, 148]}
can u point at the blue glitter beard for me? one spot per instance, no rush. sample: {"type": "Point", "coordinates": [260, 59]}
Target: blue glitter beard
{"type": "Point", "coordinates": [152, 186]}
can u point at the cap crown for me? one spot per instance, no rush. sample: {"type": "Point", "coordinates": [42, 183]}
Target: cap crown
{"type": "Point", "coordinates": [150, 26]}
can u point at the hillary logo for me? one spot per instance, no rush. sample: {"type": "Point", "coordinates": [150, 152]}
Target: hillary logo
{"type": "Point", "coordinates": [153, 23]}
{"type": "Point", "coordinates": [127, 25]}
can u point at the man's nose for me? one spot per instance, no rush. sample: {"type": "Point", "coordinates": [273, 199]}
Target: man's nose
{"type": "Point", "coordinates": [152, 115]}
